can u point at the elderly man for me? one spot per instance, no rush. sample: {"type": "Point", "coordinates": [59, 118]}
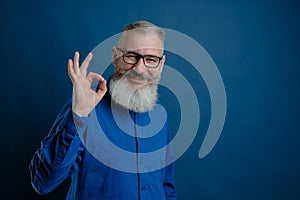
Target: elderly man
{"type": "Point", "coordinates": [69, 149]}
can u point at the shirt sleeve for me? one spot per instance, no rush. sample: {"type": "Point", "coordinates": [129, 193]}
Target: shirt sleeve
{"type": "Point", "coordinates": [59, 153]}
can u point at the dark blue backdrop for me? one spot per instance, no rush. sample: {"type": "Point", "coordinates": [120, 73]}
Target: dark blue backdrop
{"type": "Point", "coordinates": [254, 44]}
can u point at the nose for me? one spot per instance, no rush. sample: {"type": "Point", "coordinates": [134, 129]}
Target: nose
{"type": "Point", "coordinates": [139, 67]}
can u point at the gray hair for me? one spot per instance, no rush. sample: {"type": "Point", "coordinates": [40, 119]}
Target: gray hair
{"type": "Point", "coordinates": [142, 26]}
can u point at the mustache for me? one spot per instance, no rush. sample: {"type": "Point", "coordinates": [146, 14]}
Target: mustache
{"type": "Point", "coordinates": [133, 74]}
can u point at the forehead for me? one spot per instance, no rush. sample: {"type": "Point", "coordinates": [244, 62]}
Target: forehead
{"type": "Point", "coordinates": [136, 40]}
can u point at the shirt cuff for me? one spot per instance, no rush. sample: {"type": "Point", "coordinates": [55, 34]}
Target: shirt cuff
{"type": "Point", "coordinates": [79, 122]}
{"type": "Point", "coordinates": [76, 124]}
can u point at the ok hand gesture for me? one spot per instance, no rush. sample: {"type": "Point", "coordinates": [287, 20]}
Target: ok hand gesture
{"type": "Point", "coordinates": [84, 97]}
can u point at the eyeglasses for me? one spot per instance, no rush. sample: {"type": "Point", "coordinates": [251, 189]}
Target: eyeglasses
{"type": "Point", "coordinates": [133, 58]}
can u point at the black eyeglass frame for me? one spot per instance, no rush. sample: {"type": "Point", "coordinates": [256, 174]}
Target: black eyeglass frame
{"type": "Point", "coordinates": [139, 56]}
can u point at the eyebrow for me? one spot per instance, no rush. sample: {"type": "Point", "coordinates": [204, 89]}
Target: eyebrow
{"type": "Point", "coordinates": [133, 52]}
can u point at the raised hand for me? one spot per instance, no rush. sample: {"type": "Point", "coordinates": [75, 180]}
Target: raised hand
{"type": "Point", "coordinates": [84, 97]}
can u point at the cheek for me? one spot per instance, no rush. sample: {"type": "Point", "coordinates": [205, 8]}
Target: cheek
{"type": "Point", "coordinates": [126, 66]}
{"type": "Point", "coordinates": [123, 66]}
{"type": "Point", "coordinates": [154, 73]}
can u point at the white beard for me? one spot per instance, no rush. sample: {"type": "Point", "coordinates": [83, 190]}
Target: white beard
{"type": "Point", "coordinates": [134, 97]}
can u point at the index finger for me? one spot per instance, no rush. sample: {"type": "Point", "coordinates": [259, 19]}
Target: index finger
{"type": "Point", "coordinates": [86, 62]}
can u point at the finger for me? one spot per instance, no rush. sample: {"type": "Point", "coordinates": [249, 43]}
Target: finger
{"type": "Point", "coordinates": [94, 76]}
{"type": "Point", "coordinates": [76, 62]}
{"type": "Point", "coordinates": [102, 88]}
{"type": "Point", "coordinates": [70, 69]}
{"type": "Point", "coordinates": [86, 62]}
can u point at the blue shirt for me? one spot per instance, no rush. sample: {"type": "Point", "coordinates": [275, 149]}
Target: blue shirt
{"type": "Point", "coordinates": [63, 153]}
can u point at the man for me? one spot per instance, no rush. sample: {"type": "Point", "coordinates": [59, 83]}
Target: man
{"type": "Point", "coordinates": [73, 148]}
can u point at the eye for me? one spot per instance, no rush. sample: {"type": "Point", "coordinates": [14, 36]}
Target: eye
{"type": "Point", "coordinates": [151, 59]}
{"type": "Point", "coordinates": [130, 56]}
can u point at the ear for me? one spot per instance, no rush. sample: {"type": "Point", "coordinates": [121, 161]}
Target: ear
{"type": "Point", "coordinates": [114, 56]}
{"type": "Point", "coordinates": [162, 63]}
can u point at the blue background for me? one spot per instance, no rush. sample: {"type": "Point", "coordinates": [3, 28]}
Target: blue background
{"type": "Point", "coordinates": [255, 45]}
